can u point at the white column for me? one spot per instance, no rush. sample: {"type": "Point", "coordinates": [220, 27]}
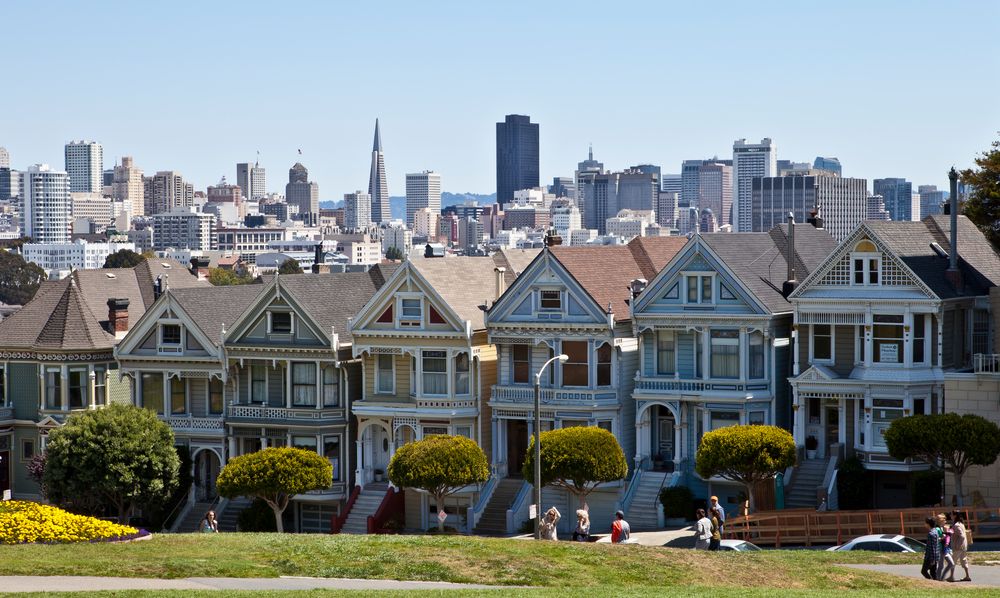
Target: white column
{"type": "Point", "coordinates": [940, 338]}
{"type": "Point", "coordinates": [869, 332]}
{"type": "Point", "coordinates": [91, 384]}
{"type": "Point", "coordinates": [64, 387]}
{"type": "Point", "coordinates": [677, 438]}
{"type": "Point", "coordinates": [799, 418]}
{"type": "Point", "coordinates": [908, 334]}
{"type": "Point", "coordinates": [795, 344]}
{"type": "Point", "coordinates": [166, 394]}
{"type": "Point", "coordinates": [358, 481]}
{"type": "Point", "coordinates": [232, 448]}
{"type": "Point", "coordinates": [706, 358]}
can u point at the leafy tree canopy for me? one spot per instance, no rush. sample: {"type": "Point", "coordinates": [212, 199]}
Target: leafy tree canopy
{"type": "Point", "coordinates": [290, 266]}
{"type": "Point", "coordinates": [124, 258]}
{"type": "Point", "coordinates": [745, 454]}
{"type": "Point", "coordinates": [983, 205]}
{"type": "Point", "coordinates": [577, 459]}
{"type": "Point", "coordinates": [949, 441]}
{"type": "Point", "coordinates": [275, 475]}
{"type": "Point", "coordinates": [440, 465]}
{"type": "Point", "coordinates": [221, 277]}
{"type": "Point", "coordinates": [120, 455]}
{"type": "Point", "coordinates": [19, 280]}
{"type": "Point", "coordinates": [393, 253]}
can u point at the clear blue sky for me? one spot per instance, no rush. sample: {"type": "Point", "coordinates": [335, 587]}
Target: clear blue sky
{"type": "Point", "coordinates": [893, 88]}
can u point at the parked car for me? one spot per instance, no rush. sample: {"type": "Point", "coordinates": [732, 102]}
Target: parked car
{"type": "Point", "coordinates": [882, 543]}
{"type": "Point", "coordinates": [738, 546]}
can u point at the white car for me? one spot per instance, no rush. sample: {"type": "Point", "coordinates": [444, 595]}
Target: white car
{"type": "Point", "coordinates": [738, 546]}
{"type": "Point", "coordinates": [882, 543]}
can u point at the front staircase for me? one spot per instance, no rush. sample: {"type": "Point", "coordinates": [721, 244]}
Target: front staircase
{"type": "Point", "coordinates": [230, 516]}
{"type": "Point", "coordinates": [801, 492]}
{"type": "Point", "coordinates": [192, 521]}
{"type": "Point", "coordinates": [493, 521]}
{"type": "Point", "coordinates": [367, 503]}
{"type": "Point", "coordinates": [641, 515]}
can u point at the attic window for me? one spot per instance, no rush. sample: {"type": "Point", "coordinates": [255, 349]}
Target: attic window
{"type": "Point", "coordinates": [281, 322]}
{"type": "Point", "coordinates": [170, 334]}
{"type": "Point", "coordinates": [550, 300]}
{"type": "Point", "coordinates": [410, 312]}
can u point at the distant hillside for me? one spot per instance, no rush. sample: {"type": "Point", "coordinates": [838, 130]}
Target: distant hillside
{"type": "Point", "coordinates": [398, 204]}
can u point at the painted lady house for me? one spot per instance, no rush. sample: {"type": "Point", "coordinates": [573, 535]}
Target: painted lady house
{"type": "Point", "coordinates": [881, 321]}
{"type": "Point", "coordinates": [428, 369]}
{"type": "Point", "coordinates": [57, 356]}
{"type": "Point", "coordinates": [573, 301]}
{"type": "Point", "coordinates": [237, 369]}
{"type": "Point", "coordinates": [714, 344]}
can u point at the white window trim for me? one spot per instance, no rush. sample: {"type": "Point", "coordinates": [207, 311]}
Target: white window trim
{"type": "Point", "coordinates": [656, 352]}
{"type": "Point", "coordinates": [865, 256]}
{"type": "Point", "coordinates": [270, 327]}
{"type": "Point", "coordinates": [699, 275]}
{"type": "Point", "coordinates": [267, 382]}
{"type": "Point", "coordinates": [551, 310]}
{"type": "Point", "coordinates": [906, 322]}
{"type": "Point", "coordinates": [454, 373]}
{"type": "Point", "coordinates": [169, 348]}
{"type": "Point", "coordinates": [447, 372]}
{"type": "Point", "coordinates": [378, 375]}
{"type": "Point", "coordinates": [812, 344]}
{"type": "Point", "coordinates": [398, 318]}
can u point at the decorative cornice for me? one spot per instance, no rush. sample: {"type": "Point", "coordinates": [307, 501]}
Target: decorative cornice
{"type": "Point", "coordinates": [42, 356]}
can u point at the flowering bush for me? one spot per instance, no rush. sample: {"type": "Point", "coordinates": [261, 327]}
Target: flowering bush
{"type": "Point", "coordinates": [23, 522]}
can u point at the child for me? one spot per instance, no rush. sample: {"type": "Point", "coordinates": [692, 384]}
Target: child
{"type": "Point", "coordinates": [932, 551]}
{"type": "Point", "coordinates": [947, 566]}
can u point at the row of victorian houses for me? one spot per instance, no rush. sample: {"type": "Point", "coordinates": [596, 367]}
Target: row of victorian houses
{"type": "Point", "coordinates": [667, 339]}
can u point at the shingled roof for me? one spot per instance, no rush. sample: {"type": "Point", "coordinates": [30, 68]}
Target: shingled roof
{"type": "Point", "coordinates": [605, 271]}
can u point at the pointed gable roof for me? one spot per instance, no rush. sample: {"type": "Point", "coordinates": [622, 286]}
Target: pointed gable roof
{"type": "Point", "coordinates": [605, 271]}
{"type": "Point", "coordinates": [71, 325]}
{"type": "Point", "coordinates": [464, 283]}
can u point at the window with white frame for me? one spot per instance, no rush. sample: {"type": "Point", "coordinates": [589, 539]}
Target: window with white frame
{"type": "Point", "coordinates": [435, 372]}
{"type": "Point", "coordinates": [887, 338]}
{"type": "Point", "coordinates": [604, 353]}
{"type": "Point", "coordinates": [413, 376]}
{"type": "Point", "coordinates": [549, 300]}
{"type": "Point", "coordinates": [462, 374]}
{"type": "Point", "coordinates": [331, 450]}
{"type": "Point", "coordinates": [464, 431]}
{"type": "Point", "coordinates": [281, 322]}
{"type": "Point", "coordinates": [725, 355]}
{"type": "Point", "coordinates": [216, 396]}
{"type": "Point", "coordinates": [576, 369]}
{"type": "Point", "coordinates": [884, 412]}
{"type": "Point", "coordinates": [171, 336]}
{"type": "Point", "coordinates": [53, 388]}
{"type": "Point", "coordinates": [666, 353]}
{"type": "Point", "coordinates": [410, 312]}
{"type": "Point", "coordinates": [822, 342]}
{"type": "Point", "coordinates": [700, 288]}
{"type": "Point", "coordinates": [757, 418]}
{"type": "Point", "coordinates": [521, 362]}
{"type": "Point", "coordinates": [866, 263]}
{"type": "Point", "coordinates": [152, 391]}
{"type": "Point", "coordinates": [385, 374]}
{"type": "Point", "coordinates": [178, 396]}
{"type": "Point", "coordinates": [100, 385]}
{"type": "Point", "coordinates": [258, 384]}
{"type": "Point", "coordinates": [331, 389]}
{"type": "Point", "coordinates": [79, 385]}
{"type": "Point", "coordinates": [304, 384]}
{"type": "Point", "coordinates": [920, 351]}
{"type": "Point", "coordinates": [755, 350]}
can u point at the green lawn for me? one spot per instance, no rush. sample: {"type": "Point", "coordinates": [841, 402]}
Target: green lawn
{"type": "Point", "coordinates": [601, 568]}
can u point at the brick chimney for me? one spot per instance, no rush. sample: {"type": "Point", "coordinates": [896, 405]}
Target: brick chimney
{"type": "Point", "coordinates": [552, 238]}
{"type": "Point", "coordinates": [199, 267]}
{"type": "Point", "coordinates": [118, 317]}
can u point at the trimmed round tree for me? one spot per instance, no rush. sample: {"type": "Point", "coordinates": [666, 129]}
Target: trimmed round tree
{"type": "Point", "coordinates": [440, 465]}
{"type": "Point", "coordinates": [577, 459]}
{"type": "Point", "coordinates": [120, 455]}
{"type": "Point", "coordinates": [946, 441]}
{"type": "Point", "coordinates": [745, 454]}
{"type": "Point", "coordinates": [275, 475]}
{"type": "Point", "coordinates": [123, 258]}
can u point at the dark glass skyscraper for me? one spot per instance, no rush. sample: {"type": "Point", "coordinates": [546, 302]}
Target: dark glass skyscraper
{"type": "Point", "coordinates": [898, 196]}
{"type": "Point", "coordinates": [517, 156]}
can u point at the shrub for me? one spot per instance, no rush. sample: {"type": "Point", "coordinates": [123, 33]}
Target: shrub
{"type": "Point", "coordinates": [577, 459]}
{"type": "Point", "coordinates": [274, 475]}
{"type": "Point", "coordinates": [24, 522]}
{"type": "Point", "coordinates": [677, 501]}
{"type": "Point", "coordinates": [745, 454]}
{"type": "Point", "coordinates": [440, 465]}
{"type": "Point", "coordinates": [855, 485]}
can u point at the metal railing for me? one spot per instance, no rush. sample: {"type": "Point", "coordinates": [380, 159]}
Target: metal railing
{"type": "Point", "coordinates": [633, 487]}
{"type": "Point", "coordinates": [391, 506]}
{"type": "Point", "coordinates": [475, 512]}
{"type": "Point", "coordinates": [283, 413]}
{"type": "Point", "coordinates": [184, 501]}
{"type": "Point", "coordinates": [519, 504]}
{"type": "Point", "coordinates": [6, 413]}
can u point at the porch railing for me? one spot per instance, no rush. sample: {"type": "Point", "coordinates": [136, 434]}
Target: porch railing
{"type": "Point", "coordinates": [678, 385]}
{"type": "Point", "coordinates": [6, 413]}
{"type": "Point", "coordinates": [986, 363]}
{"type": "Point", "coordinates": [519, 505]}
{"type": "Point", "coordinates": [391, 508]}
{"type": "Point", "coordinates": [551, 396]}
{"type": "Point", "coordinates": [283, 413]}
{"type": "Point", "coordinates": [338, 521]}
{"type": "Point", "coordinates": [188, 422]}
{"type": "Point", "coordinates": [475, 512]}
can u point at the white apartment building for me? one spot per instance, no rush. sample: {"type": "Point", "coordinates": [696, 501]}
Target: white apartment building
{"type": "Point", "coordinates": [47, 210]}
{"type": "Point", "coordinates": [565, 218]}
{"type": "Point", "coordinates": [357, 210]}
{"type": "Point", "coordinates": [426, 223]}
{"type": "Point", "coordinates": [749, 160]}
{"type": "Point", "coordinates": [359, 249]}
{"type": "Point", "coordinates": [59, 259]}
{"type": "Point", "coordinates": [85, 166]}
{"type": "Point", "coordinates": [127, 188]}
{"type": "Point", "coordinates": [630, 223]}
{"type": "Point", "coordinates": [537, 196]}
{"type": "Point", "coordinates": [581, 236]}
{"type": "Point", "coordinates": [397, 236]}
{"type": "Point", "coordinates": [184, 228]}
{"type": "Point", "coordinates": [423, 190]}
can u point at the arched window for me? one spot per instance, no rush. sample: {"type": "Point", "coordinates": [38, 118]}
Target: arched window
{"type": "Point", "coordinates": [604, 365]}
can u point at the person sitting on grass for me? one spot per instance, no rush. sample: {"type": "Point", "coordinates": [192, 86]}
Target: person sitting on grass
{"type": "Point", "coordinates": [582, 531]}
{"type": "Point", "coordinates": [547, 528]}
{"type": "Point", "coordinates": [620, 530]}
{"type": "Point", "coordinates": [209, 525]}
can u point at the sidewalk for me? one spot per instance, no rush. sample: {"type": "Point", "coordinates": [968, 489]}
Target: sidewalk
{"type": "Point", "coordinates": [25, 583]}
{"type": "Point", "coordinates": [981, 576]}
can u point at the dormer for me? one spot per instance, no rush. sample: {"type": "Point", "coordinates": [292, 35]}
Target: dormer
{"type": "Point", "coordinates": [280, 323]}
{"type": "Point", "coordinates": [866, 264]}
{"type": "Point", "coordinates": [170, 337]}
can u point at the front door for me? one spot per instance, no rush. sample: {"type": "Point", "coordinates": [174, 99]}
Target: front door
{"type": "Point", "coordinates": [4, 471]}
{"type": "Point", "coordinates": [832, 428]}
{"type": "Point", "coordinates": [517, 446]}
{"type": "Point", "coordinates": [665, 435]}
{"type": "Point", "coordinates": [206, 472]}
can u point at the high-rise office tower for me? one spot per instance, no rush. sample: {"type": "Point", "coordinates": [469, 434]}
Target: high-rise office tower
{"type": "Point", "coordinates": [898, 196]}
{"type": "Point", "coordinates": [251, 180]}
{"type": "Point", "coordinates": [666, 209]}
{"type": "Point", "coordinates": [357, 210]}
{"type": "Point", "coordinates": [517, 156]}
{"type": "Point", "coordinates": [10, 183]}
{"type": "Point", "coordinates": [690, 182]}
{"type": "Point", "coordinates": [4, 158]}
{"type": "Point", "coordinates": [828, 164]}
{"type": "Point", "coordinates": [750, 160]}
{"type": "Point", "coordinates": [931, 200]}
{"type": "Point", "coordinates": [127, 187]}
{"type": "Point", "coordinates": [876, 209]}
{"type": "Point", "coordinates": [842, 202]}
{"type": "Point", "coordinates": [303, 194]}
{"type": "Point", "coordinates": [85, 166]}
{"type": "Point", "coordinates": [639, 189]}
{"type": "Point", "coordinates": [167, 190]}
{"type": "Point", "coordinates": [107, 177]}
{"type": "Point", "coordinates": [425, 223]}
{"type": "Point", "coordinates": [671, 183]}
{"type": "Point", "coordinates": [563, 186]}
{"type": "Point", "coordinates": [378, 186]}
{"type": "Point", "coordinates": [715, 191]}
{"type": "Point", "coordinates": [47, 215]}
{"type": "Point", "coordinates": [423, 190]}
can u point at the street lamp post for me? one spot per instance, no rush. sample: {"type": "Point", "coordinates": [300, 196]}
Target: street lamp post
{"type": "Point", "coordinates": [538, 442]}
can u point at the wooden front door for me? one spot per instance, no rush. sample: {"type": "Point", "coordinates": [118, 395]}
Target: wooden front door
{"type": "Point", "coordinates": [517, 446]}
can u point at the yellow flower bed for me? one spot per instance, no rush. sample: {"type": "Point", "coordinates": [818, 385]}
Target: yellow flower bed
{"type": "Point", "coordinates": [24, 522]}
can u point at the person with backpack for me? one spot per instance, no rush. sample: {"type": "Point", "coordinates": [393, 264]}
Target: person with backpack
{"type": "Point", "coordinates": [703, 533]}
{"type": "Point", "coordinates": [932, 550]}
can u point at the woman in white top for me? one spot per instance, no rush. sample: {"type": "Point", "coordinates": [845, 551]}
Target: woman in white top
{"type": "Point", "coordinates": [548, 524]}
{"type": "Point", "coordinates": [582, 531]}
{"type": "Point", "coordinates": [703, 533]}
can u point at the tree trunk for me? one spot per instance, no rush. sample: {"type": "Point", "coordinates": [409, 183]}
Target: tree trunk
{"type": "Point", "coordinates": [279, 524]}
{"type": "Point", "coordinates": [439, 500]}
{"type": "Point", "coordinates": [958, 488]}
{"type": "Point", "coordinates": [752, 502]}
{"type": "Point", "coordinates": [123, 509]}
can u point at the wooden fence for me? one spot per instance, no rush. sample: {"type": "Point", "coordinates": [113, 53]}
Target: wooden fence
{"type": "Point", "coordinates": [798, 527]}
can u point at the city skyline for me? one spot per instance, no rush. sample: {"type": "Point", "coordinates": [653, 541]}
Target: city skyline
{"type": "Point", "coordinates": [875, 133]}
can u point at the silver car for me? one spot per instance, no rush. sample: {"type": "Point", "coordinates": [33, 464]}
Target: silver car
{"type": "Point", "coordinates": [882, 543]}
{"type": "Point", "coordinates": [737, 546]}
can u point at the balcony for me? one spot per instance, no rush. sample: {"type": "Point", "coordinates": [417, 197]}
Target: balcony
{"type": "Point", "coordinates": [525, 395]}
{"type": "Point", "coordinates": [189, 423]}
{"type": "Point", "coordinates": [266, 413]}
{"type": "Point", "coordinates": [986, 363]}
{"type": "Point", "coordinates": [6, 413]}
{"type": "Point", "coordinates": [678, 386]}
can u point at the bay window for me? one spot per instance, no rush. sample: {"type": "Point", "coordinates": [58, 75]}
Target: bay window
{"type": "Point", "coordinates": [385, 382]}
{"type": "Point", "coordinates": [576, 369]}
{"type": "Point", "coordinates": [755, 342]}
{"type": "Point", "coordinates": [822, 342]}
{"type": "Point", "coordinates": [331, 394]}
{"type": "Point", "coordinates": [303, 384]}
{"type": "Point", "coordinates": [887, 333]}
{"type": "Point", "coordinates": [521, 361]}
{"type": "Point", "coordinates": [152, 391]}
{"type": "Point", "coordinates": [79, 384]}
{"type": "Point", "coordinates": [604, 353]}
{"type": "Point", "coordinates": [725, 354]}
{"type": "Point", "coordinates": [435, 369]}
{"type": "Point", "coordinates": [53, 388]}
{"type": "Point", "coordinates": [666, 351]}
{"type": "Point", "coordinates": [462, 374]}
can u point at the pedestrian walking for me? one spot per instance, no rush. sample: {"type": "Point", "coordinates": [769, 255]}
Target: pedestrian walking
{"type": "Point", "coordinates": [547, 527]}
{"type": "Point", "coordinates": [703, 530]}
{"type": "Point", "coordinates": [620, 530]}
{"type": "Point", "coordinates": [932, 550]}
{"type": "Point", "coordinates": [715, 505]}
{"type": "Point", "coordinates": [582, 531]}
{"type": "Point", "coordinates": [959, 544]}
{"type": "Point", "coordinates": [716, 540]}
{"type": "Point", "coordinates": [947, 565]}
{"type": "Point", "coordinates": [208, 524]}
